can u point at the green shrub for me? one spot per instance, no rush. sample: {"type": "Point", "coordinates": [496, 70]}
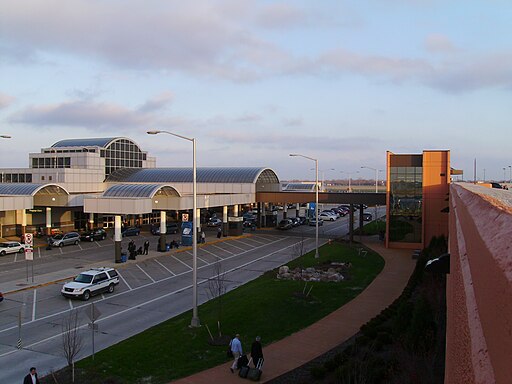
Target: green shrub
{"type": "Point", "coordinates": [318, 372]}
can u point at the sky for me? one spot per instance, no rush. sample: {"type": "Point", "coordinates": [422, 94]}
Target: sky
{"type": "Point", "coordinates": [253, 81]}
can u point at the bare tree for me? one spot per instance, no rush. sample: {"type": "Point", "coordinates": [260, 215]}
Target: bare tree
{"type": "Point", "coordinates": [72, 341]}
{"type": "Point", "coordinates": [299, 248]}
{"type": "Point", "coordinates": [216, 289]}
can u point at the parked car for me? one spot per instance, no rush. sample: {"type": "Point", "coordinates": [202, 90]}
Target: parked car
{"type": "Point", "coordinates": [1, 297]}
{"type": "Point", "coordinates": [91, 282]}
{"type": "Point", "coordinates": [312, 222]}
{"type": "Point", "coordinates": [248, 216]}
{"type": "Point", "coordinates": [214, 222]}
{"type": "Point", "coordinates": [60, 239]}
{"type": "Point", "coordinates": [302, 220]}
{"type": "Point", "coordinates": [170, 228]}
{"type": "Point", "coordinates": [326, 216]}
{"type": "Point", "coordinates": [285, 224]}
{"type": "Point", "coordinates": [11, 247]}
{"type": "Point", "coordinates": [367, 217]}
{"type": "Point", "coordinates": [132, 231]}
{"type": "Point", "coordinates": [295, 221]}
{"type": "Point", "coordinates": [95, 234]}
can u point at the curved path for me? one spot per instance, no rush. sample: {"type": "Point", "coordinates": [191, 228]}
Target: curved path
{"type": "Point", "coordinates": [329, 332]}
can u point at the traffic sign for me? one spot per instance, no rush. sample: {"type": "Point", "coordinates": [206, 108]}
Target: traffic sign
{"type": "Point", "coordinates": [29, 255]}
{"type": "Point", "coordinates": [94, 313]}
{"type": "Point", "coordinates": [29, 239]}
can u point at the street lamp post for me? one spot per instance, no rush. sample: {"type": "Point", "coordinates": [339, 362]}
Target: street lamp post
{"type": "Point", "coordinates": [376, 177]}
{"type": "Point", "coordinates": [317, 255]}
{"type": "Point", "coordinates": [195, 318]}
{"type": "Point", "coordinates": [349, 180]}
{"type": "Point", "coordinates": [504, 174]}
{"type": "Point", "coordinates": [510, 174]}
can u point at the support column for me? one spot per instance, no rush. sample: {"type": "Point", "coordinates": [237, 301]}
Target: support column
{"type": "Point", "coordinates": [225, 220]}
{"type": "Point", "coordinates": [285, 211]}
{"type": "Point", "coordinates": [117, 238]}
{"type": "Point", "coordinates": [48, 221]}
{"type": "Point", "coordinates": [23, 222]}
{"type": "Point", "coordinates": [297, 210]}
{"type": "Point", "coordinates": [235, 210]}
{"type": "Point", "coordinates": [351, 224]}
{"type": "Point", "coordinates": [163, 231]}
{"type": "Point", "coordinates": [263, 215]}
{"type": "Point", "coordinates": [91, 221]}
{"type": "Point", "coordinates": [361, 210]}
{"type": "Point", "coordinates": [197, 231]}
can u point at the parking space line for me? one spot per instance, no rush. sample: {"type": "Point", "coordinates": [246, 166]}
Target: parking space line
{"type": "Point", "coordinates": [138, 266]}
{"type": "Point", "coordinates": [103, 296]}
{"type": "Point", "coordinates": [122, 278]}
{"type": "Point", "coordinates": [185, 264]}
{"type": "Point", "coordinates": [222, 249]}
{"type": "Point", "coordinates": [249, 245]}
{"type": "Point", "coordinates": [79, 246]}
{"type": "Point", "coordinates": [34, 305]}
{"type": "Point", "coordinates": [39, 252]}
{"type": "Point", "coordinates": [15, 256]}
{"type": "Point", "coordinates": [213, 254]}
{"type": "Point", "coordinates": [70, 304]}
{"type": "Point", "coordinates": [60, 249]}
{"type": "Point", "coordinates": [204, 261]}
{"type": "Point", "coordinates": [164, 267]}
{"type": "Point", "coordinates": [234, 246]}
{"type": "Point", "coordinates": [256, 241]}
{"type": "Point", "coordinates": [98, 244]}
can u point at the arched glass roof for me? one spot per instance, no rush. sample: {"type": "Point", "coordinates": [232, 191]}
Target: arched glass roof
{"type": "Point", "coordinates": [299, 187]}
{"type": "Point", "coordinates": [29, 189]}
{"type": "Point", "coordinates": [91, 142]}
{"type": "Point", "coordinates": [140, 190]}
{"type": "Point", "coordinates": [204, 175]}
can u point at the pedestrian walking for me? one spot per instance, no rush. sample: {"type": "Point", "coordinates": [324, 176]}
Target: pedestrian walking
{"type": "Point", "coordinates": [256, 352]}
{"type": "Point", "coordinates": [146, 247]}
{"type": "Point", "coordinates": [203, 237]}
{"type": "Point", "coordinates": [219, 233]}
{"type": "Point", "coordinates": [236, 348]}
{"type": "Point", "coordinates": [31, 378]}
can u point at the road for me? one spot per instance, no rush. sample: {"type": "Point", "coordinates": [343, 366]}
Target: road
{"type": "Point", "coordinates": [149, 293]}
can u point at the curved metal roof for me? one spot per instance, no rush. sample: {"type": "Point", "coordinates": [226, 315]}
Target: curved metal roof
{"type": "Point", "coordinates": [140, 190]}
{"type": "Point", "coordinates": [299, 187]}
{"type": "Point", "coordinates": [184, 175]}
{"type": "Point", "coordinates": [29, 189]}
{"type": "Point", "coordinates": [91, 142]}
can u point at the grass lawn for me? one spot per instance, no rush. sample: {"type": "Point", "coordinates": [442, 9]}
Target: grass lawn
{"type": "Point", "coordinates": [265, 306]}
{"type": "Point", "coordinates": [372, 228]}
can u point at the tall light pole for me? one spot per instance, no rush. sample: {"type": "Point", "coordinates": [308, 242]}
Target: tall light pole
{"type": "Point", "coordinates": [322, 171]}
{"type": "Point", "coordinates": [349, 180]}
{"type": "Point", "coordinates": [504, 175]}
{"type": "Point", "coordinates": [317, 255]}
{"type": "Point", "coordinates": [376, 177]}
{"type": "Point", "coordinates": [484, 176]}
{"type": "Point", "coordinates": [510, 174]}
{"type": "Point", "coordinates": [195, 318]}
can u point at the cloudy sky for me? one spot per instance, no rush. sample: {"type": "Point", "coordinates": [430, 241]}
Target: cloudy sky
{"type": "Point", "coordinates": [253, 81]}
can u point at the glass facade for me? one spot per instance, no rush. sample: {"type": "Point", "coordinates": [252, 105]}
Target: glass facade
{"type": "Point", "coordinates": [122, 153]}
{"type": "Point", "coordinates": [405, 199]}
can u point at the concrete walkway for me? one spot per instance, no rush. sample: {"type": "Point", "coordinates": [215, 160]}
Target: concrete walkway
{"type": "Point", "coordinates": [309, 343]}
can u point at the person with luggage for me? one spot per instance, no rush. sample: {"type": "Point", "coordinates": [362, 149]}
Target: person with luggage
{"type": "Point", "coordinates": [236, 348]}
{"type": "Point", "coordinates": [256, 352]}
{"type": "Point", "coordinates": [219, 233]}
{"type": "Point", "coordinates": [203, 237]}
{"type": "Point", "coordinates": [146, 247]}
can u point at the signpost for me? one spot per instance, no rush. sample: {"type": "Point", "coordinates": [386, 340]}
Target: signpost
{"type": "Point", "coordinates": [29, 255]}
{"type": "Point", "coordinates": [93, 315]}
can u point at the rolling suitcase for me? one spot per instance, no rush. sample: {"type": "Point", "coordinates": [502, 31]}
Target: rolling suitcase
{"type": "Point", "coordinates": [242, 361]}
{"type": "Point", "coordinates": [244, 367]}
{"type": "Point", "coordinates": [254, 374]}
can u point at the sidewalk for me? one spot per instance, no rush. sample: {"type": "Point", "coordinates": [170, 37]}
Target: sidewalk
{"type": "Point", "coordinates": [309, 343]}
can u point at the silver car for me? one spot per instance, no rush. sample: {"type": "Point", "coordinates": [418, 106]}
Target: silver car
{"type": "Point", "coordinates": [65, 239]}
{"type": "Point", "coordinates": [11, 247]}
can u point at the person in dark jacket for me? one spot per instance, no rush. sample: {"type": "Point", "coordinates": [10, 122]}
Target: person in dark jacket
{"type": "Point", "coordinates": [146, 247]}
{"type": "Point", "coordinates": [256, 351]}
{"type": "Point", "coordinates": [31, 378]}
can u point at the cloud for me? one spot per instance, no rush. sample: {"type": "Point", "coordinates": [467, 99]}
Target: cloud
{"type": "Point", "coordinates": [156, 103]}
{"type": "Point", "coordinates": [248, 118]}
{"type": "Point", "coordinates": [5, 100]}
{"type": "Point", "coordinates": [280, 15]}
{"type": "Point", "coordinates": [437, 43]}
{"type": "Point", "coordinates": [293, 122]}
{"type": "Point", "coordinates": [81, 114]}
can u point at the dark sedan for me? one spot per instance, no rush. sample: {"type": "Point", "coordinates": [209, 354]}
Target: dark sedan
{"type": "Point", "coordinates": [130, 231]}
{"type": "Point", "coordinates": [96, 234]}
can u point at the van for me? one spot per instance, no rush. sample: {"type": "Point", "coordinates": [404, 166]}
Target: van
{"type": "Point", "coordinates": [171, 228]}
{"type": "Point", "coordinates": [60, 240]}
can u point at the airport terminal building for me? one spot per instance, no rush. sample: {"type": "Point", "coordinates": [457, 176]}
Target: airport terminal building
{"type": "Point", "coordinates": [79, 183]}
